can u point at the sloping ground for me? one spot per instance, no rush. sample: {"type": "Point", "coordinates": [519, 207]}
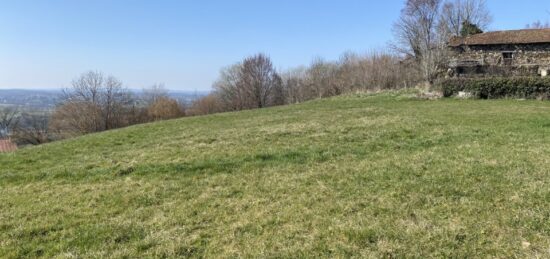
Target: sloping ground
{"type": "Point", "coordinates": [373, 176]}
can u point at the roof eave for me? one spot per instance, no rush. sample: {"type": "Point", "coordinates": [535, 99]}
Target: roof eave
{"type": "Point", "coordinates": [494, 44]}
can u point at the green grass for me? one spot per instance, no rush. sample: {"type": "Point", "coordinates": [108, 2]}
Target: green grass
{"type": "Point", "coordinates": [354, 176]}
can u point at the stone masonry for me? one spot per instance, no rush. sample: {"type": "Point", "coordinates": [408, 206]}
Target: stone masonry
{"type": "Point", "coordinates": [506, 53]}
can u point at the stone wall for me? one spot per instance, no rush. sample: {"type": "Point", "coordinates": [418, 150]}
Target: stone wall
{"type": "Point", "coordinates": [489, 60]}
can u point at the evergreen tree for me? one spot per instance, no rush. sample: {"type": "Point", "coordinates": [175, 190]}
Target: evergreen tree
{"type": "Point", "coordinates": [469, 28]}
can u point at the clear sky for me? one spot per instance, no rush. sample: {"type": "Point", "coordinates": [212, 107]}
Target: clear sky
{"type": "Point", "coordinates": [184, 43]}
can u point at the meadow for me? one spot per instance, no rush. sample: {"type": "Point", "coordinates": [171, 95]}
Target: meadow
{"type": "Point", "coordinates": [364, 175]}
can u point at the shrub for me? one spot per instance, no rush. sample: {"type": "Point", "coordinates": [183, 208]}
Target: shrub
{"type": "Point", "coordinates": [164, 108]}
{"type": "Point", "coordinates": [497, 87]}
{"type": "Point", "coordinates": [209, 104]}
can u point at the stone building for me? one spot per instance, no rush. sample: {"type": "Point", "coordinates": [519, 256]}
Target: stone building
{"type": "Point", "coordinates": [501, 53]}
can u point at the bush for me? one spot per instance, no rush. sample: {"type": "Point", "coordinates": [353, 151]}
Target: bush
{"type": "Point", "coordinates": [209, 104]}
{"type": "Point", "coordinates": [498, 87]}
{"type": "Point", "coordinates": [165, 108]}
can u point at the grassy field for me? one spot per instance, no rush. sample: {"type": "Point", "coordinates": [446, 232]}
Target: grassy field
{"type": "Point", "coordinates": [354, 176]}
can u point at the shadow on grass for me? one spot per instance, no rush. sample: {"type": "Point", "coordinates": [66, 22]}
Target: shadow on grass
{"type": "Point", "coordinates": [233, 164]}
{"type": "Point", "coordinates": [225, 165]}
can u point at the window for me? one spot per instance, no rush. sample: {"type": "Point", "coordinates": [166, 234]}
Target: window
{"type": "Point", "coordinates": [508, 58]}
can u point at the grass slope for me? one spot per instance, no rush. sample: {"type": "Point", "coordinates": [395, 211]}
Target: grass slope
{"type": "Point", "coordinates": [362, 175]}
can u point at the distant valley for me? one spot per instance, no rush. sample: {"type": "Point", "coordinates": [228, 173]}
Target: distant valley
{"type": "Point", "coordinates": [33, 99]}
{"type": "Point", "coordinates": [49, 98]}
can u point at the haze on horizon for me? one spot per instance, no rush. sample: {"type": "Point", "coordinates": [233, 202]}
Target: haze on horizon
{"type": "Point", "coordinates": [184, 44]}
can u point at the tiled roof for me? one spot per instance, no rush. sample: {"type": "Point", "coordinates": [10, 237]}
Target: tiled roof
{"type": "Point", "coordinates": [527, 36]}
{"type": "Point", "coordinates": [7, 146]}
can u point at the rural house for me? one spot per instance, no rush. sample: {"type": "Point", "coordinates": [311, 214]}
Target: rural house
{"type": "Point", "coordinates": [501, 53]}
{"type": "Point", "coordinates": [7, 146]}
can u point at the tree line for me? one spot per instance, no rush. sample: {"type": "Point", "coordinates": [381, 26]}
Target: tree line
{"type": "Point", "coordinates": [417, 56]}
{"type": "Point", "coordinates": [255, 83]}
{"type": "Point", "coordinates": [96, 102]}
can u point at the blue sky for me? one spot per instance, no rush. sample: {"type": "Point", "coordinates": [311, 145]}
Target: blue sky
{"type": "Point", "coordinates": [47, 43]}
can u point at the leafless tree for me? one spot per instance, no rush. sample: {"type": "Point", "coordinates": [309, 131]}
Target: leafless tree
{"type": "Point", "coordinates": [115, 103]}
{"type": "Point", "coordinates": [371, 71]}
{"type": "Point", "coordinates": [321, 79]}
{"type": "Point", "coordinates": [294, 85]}
{"type": "Point", "coordinates": [254, 83]}
{"type": "Point", "coordinates": [87, 87]}
{"type": "Point", "coordinates": [354, 72]}
{"type": "Point", "coordinates": [538, 25]}
{"type": "Point", "coordinates": [374, 70]}
{"type": "Point", "coordinates": [455, 13]}
{"type": "Point", "coordinates": [417, 35]}
{"type": "Point", "coordinates": [83, 100]}
{"type": "Point", "coordinates": [261, 82]}
{"type": "Point", "coordinates": [76, 118]}
{"type": "Point", "coordinates": [425, 27]}
{"type": "Point", "coordinates": [9, 118]}
{"type": "Point", "coordinates": [94, 103]}
{"type": "Point", "coordinates": [230, 89]}
{"type": "Point", "coordinates": [153, 93]}
{"type": "Point", "coordinates": [33, 129]}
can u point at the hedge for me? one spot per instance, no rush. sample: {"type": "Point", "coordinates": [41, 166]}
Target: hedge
{"type": "Point", "coordinates": [498, 87]}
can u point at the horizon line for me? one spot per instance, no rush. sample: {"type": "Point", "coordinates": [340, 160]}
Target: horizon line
{"type": "Point", "coordinates": [131, 89]}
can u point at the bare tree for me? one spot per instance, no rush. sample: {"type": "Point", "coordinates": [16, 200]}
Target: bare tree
{"type": "Point", "coordinates": [352, 73]}
{"type": "Point", "coordinates": [9, 118]}
{"type": "Point", "coordinates": [115, 103]}
{"type": "Point", "coordinates": [374, 70]}
{"type": "Point", "coordinates": [153, 93]}
{"type": "Point", "coordinates": [425, 27]}
{"type": "Point", "coordinates": [94, 103]}
{"type": "Point", "coordinates": [261, 82]}
{"type": "Point", "coordinates": [321, 79]}
{"type": "Point", "coordinates": [33, 129]}
{"type": "Point", "coordinates": [87, 88]}
{"type": "Point", "coordinates": [538, 25]}
{"type": "Point", "coordinates": [76, 118]}
{"type": "Point", "coordinates": [83, 100]}
{"type": "Point", "coordinates": [294, 85]}
{"type": "Point", "coordinates": [230, 89]}
{"type": "Point", "coordinates": [254, 83]}
{"type": "Point", "coordinates": [456, 13]}
{"type": "Point", "coordinates": [417, 35]}
{"type": "Point", "coordinates": [238, 89]}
